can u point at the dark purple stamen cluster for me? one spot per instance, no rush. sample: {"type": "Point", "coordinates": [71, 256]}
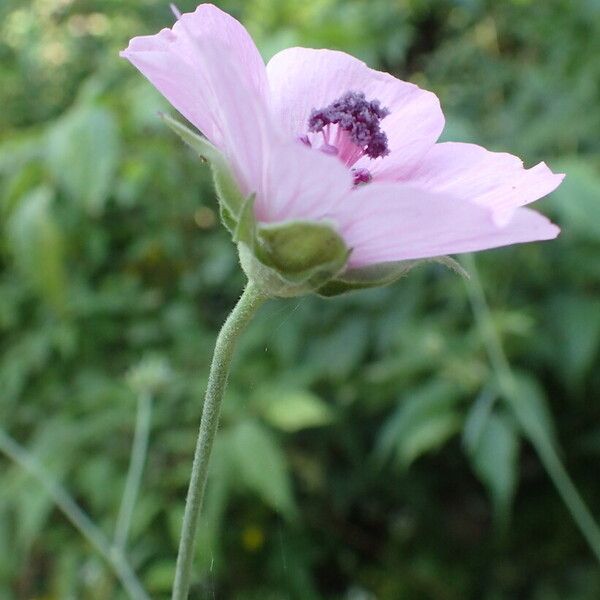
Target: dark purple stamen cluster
{"type": "Point", "coordinates": [359, 117]}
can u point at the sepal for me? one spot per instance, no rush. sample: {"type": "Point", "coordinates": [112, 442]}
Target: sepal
{"type": "Point", "coordinates": [231, 200]}
{"type": "Point", "coordinates": [381, 274]}
{"type": "Point", "coordinates": [293, 258]}
{"type": "Point", "coordinates": [245, 224]}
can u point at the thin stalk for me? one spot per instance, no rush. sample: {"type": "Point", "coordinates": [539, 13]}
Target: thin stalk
{"type": "Point", "coordinates": [133, 482]}
{"type": "Point", "coordinates": [237, 321]}
{"type": "Point", "coordinates": [506, 381]}
{"type": "Point", "coordinates": [75, 514]}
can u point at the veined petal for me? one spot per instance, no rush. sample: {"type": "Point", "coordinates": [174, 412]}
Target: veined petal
{"type": "Point", "coordinates": [494, 179]}
{"type": "Point", "coordinates": [176, 76]}
{"type": "Point", "coordinates": [211, 22]}
{"type": "Point", "coordinates": [242, 117]}
{"type": "Point", "coordinates": [302, 79]}
{"type": "Point", "coordinates": [208, 67]}
{"type": "Point", "coordinates": [301, 183]}
{"type": "Point", "coordinates": [389, 222]}
{"type": "Point", "coordinates": [174, 64]}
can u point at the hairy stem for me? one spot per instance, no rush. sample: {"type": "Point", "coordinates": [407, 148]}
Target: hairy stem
{"type": "Point", "coordinates": [133, 482]}
{"type": "Point", "coordinates": [510, 391]}
{"type": "Point", "coordinates": [74, 513]}
{"type": "Point", "coordinates": [237, 321]}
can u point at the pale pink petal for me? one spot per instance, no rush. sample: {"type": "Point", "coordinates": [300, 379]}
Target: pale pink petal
{"type": "Point", "coordinates": [211, 22]}
{"type": "Point", "coordinates": [302, 79]}
{"type": "Point", "coordinates": [171, 60]}
{"type": "Point", "coordinates": [301, 183]}
{"type": "Point", "coordinates": [208, 67]}
{"type": "Point", "coordinates": [390, 222]}
{"type": "Point", "coordinates": [242, 117]}
{"type": "Point", "coordinates": [494, 179]}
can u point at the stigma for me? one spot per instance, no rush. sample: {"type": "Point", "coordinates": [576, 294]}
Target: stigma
{"type": "Point", "coordinates": [351, 128]}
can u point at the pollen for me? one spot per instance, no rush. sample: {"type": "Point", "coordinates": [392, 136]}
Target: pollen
{"type": "Point", "coordinates": [359, 117]}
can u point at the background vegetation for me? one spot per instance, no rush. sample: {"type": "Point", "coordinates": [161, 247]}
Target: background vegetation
{"type": "Point", "coordinates": [366, 449]}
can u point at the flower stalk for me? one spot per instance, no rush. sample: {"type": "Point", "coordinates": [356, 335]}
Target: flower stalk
{"type": "Point", "coordinates": [547, 454]}
{"type": "Point", "coordinates": [240, 316]}
{"type": "Point", "coordinates": [133, 482]}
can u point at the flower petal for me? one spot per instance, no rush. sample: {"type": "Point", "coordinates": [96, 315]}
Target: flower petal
{"type": "Point", "coordinates": [301, 183]}
{"type": "Point", "coordinates": [302, 79]}
{"type": "Point", "coordinates": [389, 222]}
{"type": "Point", "coordinates": [171, 60]}
{"type": "Point", "coordinates": [494, 179]}
{"type": "Point", "coordinates": [208, 67]}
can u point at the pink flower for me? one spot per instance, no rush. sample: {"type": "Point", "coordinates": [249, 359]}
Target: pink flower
{"type": "Point", "coordinates": [317, 135]}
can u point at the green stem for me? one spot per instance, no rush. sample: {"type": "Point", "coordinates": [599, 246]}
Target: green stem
{"type": "Point", "coordinates": [237, 321]}
{"type": "Point", "coordinates": [133, 482]}
{"type": "Point", "coordinates": [75, 515]}
{"type": "Point", "coordinates": [506, 381]}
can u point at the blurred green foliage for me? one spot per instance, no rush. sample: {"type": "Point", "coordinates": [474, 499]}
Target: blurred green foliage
{"type": "Point", "coordinates": [364, 450]}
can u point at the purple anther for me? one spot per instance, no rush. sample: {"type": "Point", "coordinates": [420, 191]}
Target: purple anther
{"type": "Point", "coordinates": [358, 116]}
{"type": "Point", "coordinates": [361, 176]}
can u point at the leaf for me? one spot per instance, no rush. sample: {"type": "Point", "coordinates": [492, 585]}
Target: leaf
{"type": "Point", "coordinates": [422, 422]}
{"type": "Point", "coordinates": [477, 418]}
{"type": "Point", "coordinates": [259, 465]}
{"type": "Point", "coordinates": [83, 154]}
{"type": "Point", "coordinates": [577, 199]}
{"type": "Point", "coordinates": [293, 410]}
{"type": "Point", "coordinates": [530, 407]}
{"type": "Point", "coordinates": [494, 455]}
{"type": "Point", "coordinates": [159, 576]}
{"type": "Point", "coordinates": [576, 320]}
{"type": "Point", "coordinates": [37, 245]}
{"type": "Point", "coordinates": [337, 353]}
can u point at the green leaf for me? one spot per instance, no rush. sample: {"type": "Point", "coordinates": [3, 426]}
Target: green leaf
{"type": "Point", "coordinates": [293, 410]}
{"type": "Point", "coordinates": [83, 154]}
{"type": "Point", "coordinates": [492, 444]}
{"type": "Point", "coordinates": [259, 465]}
{"type": "Point", "coordinates": [576, 200]}
{"type": "Point", "coordinates": [422, 423]}
{"type": "Point", "coordinates": [477, 418]}
{"type": "Point", "coordinates": [338, 353]}
{"type": "Point", "coordinates": [530, 406]}
{"type": "Point", "coordinates": [159, 576]}
{"type": "Point", "coordinates": [37, 245]}
{"type": "Point", "coordinates": [576, 321]}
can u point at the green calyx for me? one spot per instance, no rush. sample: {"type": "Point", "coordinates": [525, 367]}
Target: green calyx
{"type": "Point", "coordinates": [380, 274]}
{"type": "Point", "coordinates": [284, 259]}
{"type": "Point", "coordinates": [230, 198]}
{"type": "Point", "coordinates": [294, 257]}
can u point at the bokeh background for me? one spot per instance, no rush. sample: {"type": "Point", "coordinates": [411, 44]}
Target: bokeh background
{"type": "Point", "coordinates": [366, 451]}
